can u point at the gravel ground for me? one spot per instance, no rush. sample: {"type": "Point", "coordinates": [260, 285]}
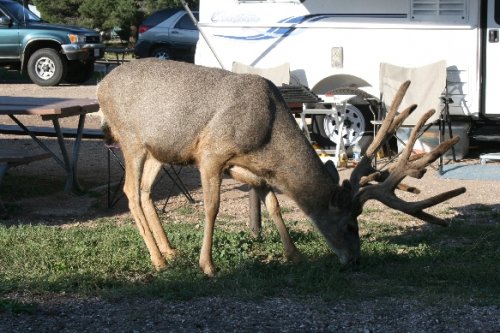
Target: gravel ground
{"type": "Point", "coordinates": [74, 313]}
{"type": "Point", "coordinates": [60, 313]}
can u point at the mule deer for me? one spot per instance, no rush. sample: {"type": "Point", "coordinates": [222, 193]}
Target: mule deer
{"type": "Point", "coordinates": [178, 113]}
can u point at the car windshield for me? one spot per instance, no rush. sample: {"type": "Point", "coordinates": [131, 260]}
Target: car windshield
{"type": "Point", "coordinates": [20, 13]}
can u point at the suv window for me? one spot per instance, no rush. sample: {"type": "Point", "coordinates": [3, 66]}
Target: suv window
{"type": "Point", "coordinates": [159, 16]}
{"type": "Point", "coordinates": [186, 23]}
{"type": "Point", "coordinates": [20, 13]}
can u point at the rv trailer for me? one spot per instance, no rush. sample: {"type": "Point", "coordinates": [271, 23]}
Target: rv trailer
{"type": "Point", "coordinates": [334, 44]}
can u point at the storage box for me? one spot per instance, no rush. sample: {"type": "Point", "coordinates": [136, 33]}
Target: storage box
{"type": "Point", "coordinates": [430, 139]}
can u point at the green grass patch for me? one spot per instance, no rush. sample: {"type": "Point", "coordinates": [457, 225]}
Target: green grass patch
{"type": "Point", "coordinates": [459, 263]}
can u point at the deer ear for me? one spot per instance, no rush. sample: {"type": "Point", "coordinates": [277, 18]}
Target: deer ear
{"type": "Point", "coordinates": [342, 198]}
{"type": "Point", "coordinates": [332, 170]}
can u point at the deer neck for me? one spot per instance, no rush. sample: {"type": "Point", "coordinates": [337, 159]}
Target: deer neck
{"type": "Point", "coordinates": [300, 174]}
{"type": "Point", "coordinates": [311, 187]}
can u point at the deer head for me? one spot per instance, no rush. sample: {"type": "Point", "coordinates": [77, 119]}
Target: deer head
{"type": "Point", "coordinates": [368, 183]}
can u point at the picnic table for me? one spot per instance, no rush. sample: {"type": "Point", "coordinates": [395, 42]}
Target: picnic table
{"type": "Point", "coordinates": [119, 54]}
{"type": "Point", "coordinates": [51, 110]}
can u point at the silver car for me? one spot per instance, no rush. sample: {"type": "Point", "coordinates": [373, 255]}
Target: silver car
{"type": "Point", "coordinates": [168, 34]}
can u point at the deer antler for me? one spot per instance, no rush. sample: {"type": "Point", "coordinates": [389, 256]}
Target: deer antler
{"type": "Point", "coordinates": [406, 165]}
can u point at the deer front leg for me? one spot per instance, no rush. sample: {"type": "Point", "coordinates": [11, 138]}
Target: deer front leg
{"type": "Point", "coordinates": [268, 196]}
{"type": "Point", "coordinates": [151, 169]}
{"type": "Point", "coordinates": [134, 168]}
{"type": "Point", "coordinates": [211, 179]}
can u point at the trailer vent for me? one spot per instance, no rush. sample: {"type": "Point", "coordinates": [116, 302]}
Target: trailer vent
{"type": "Point", "coordinates": [453, 10]}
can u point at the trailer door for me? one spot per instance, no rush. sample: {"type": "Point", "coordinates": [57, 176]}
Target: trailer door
{"type": "Point", "coordinates": [492, 77]}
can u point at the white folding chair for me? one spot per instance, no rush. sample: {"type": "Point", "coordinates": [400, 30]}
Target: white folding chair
{"type": "Point", "coordinates": [427, 90]}
{"type": "Point", "coordinates": [278, 75]}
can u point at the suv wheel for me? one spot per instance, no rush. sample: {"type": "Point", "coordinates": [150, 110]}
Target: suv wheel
{"type": "Point", "coordinates": [79, 72]}
{"type": "Point", "coordinates": [46, 67]}
{"type": "Point", "coordinates": [161, 52]}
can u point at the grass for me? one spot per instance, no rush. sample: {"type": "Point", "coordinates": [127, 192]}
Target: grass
{"type": "Point", "coordinates": [460, 263]}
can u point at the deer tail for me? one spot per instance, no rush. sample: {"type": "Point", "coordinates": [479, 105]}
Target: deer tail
{"type": "Point", "coordinates": [109, 139]}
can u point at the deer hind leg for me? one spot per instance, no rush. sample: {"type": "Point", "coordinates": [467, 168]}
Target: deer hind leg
{"type": "Point", "coordinates": [151, 169]}
{"type": "Point", "coordinates": [134, 170]}
{"type": "Point", "coordinates": [211, 179]}
{"type": "Point", "coordinates": [268, 196]}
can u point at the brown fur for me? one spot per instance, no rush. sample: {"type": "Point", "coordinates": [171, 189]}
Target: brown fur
{"type": "Point", "coordinates": [173, 112]}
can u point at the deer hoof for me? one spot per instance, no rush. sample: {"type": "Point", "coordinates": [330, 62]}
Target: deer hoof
{"type": "Point", "coordinates": [160, 264]}
{"type": "Point", "coordinates": [208, 269]}
{"type": "Point", "coordinates": [294, 257]}
{"type": "Point", "coordinates": [169, 254]}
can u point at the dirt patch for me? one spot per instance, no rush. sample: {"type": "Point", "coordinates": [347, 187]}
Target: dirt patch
{"type": "Point", "coordinates": [67, 313]}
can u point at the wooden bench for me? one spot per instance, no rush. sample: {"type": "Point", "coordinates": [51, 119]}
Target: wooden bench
{"type": "Point", "coordinates": [88, 133]}
{"type": "Point", "coordinates": [15, 157]}
{"type": "Point", "coordinates": [11, 158]}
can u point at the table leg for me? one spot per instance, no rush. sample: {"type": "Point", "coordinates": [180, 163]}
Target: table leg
{"type": "Point", "coordinates": [64, 154]}
{"type": "Point", "coordinates": [3, 170]}
{"type": "Point", "coordinates": [70, 165]}
{"type": "Point", "coordinates": [38, 141]}
{"type": "Point", "coordinates": [76, 151]}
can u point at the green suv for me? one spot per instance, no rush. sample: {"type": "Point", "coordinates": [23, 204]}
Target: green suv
{"type": "Point", "coordinates": [49, 53]}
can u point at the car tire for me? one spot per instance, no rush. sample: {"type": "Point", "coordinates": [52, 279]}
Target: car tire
{"type": "Point", "coordinates": [161, 52]}
{"type": "Point", "coordinates": [79, 72]}
{"type": "Point", "coordinates": [46, 67]}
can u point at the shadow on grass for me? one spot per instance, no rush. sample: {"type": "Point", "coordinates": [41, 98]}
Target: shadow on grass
{"type": "Point", "coordinates": [27, 189]}
{"type": "Point", "coordinates": [461, 259]}
{"type": "Point", "coordinates": [418, 266]}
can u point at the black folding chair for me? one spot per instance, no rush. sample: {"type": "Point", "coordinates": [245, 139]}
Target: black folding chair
{"type": "Point", "coordinates": [115, 193]}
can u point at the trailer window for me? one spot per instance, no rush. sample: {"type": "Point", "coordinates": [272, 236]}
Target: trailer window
{"type": "Point", "coordinates": [497, 11]}
{"type": "Point", "coordinates": [439, 10]}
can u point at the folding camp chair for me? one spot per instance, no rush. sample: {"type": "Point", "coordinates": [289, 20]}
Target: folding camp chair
{"type": "Point", "coordinates": [114, 191]}
{"type": "Point", "coordinates": [278, 75]}
{"type": "Point", "coordinates": [428, 90]}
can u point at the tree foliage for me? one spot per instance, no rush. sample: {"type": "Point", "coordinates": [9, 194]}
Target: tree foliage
{"type": "Point", "coordinates": [103, 14]}
{"type": "Point", "coordinates": [152, 5]}
{"type": "Point", "coordinates": [59, 11]}
{"type": "Point", "coordinates": [106, 14]}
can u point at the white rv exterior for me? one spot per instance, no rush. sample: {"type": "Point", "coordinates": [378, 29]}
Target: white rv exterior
{"type": "Point", "coordinates": [339, 43]}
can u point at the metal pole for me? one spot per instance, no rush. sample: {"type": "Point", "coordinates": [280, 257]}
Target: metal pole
{"type": "Point", "coordinates": [255, 222]}
{"type": "Point", "coordinates": [195, 21]}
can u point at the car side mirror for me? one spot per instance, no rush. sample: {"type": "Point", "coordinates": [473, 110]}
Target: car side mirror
{"type": "Point", "coordinates": [5, 20]}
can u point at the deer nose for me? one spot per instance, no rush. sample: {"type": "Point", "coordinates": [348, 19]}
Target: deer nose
{"type": "Point", "coordinates": [348, 259]}
{"type": "Point", "coordinates": [355, 262]}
